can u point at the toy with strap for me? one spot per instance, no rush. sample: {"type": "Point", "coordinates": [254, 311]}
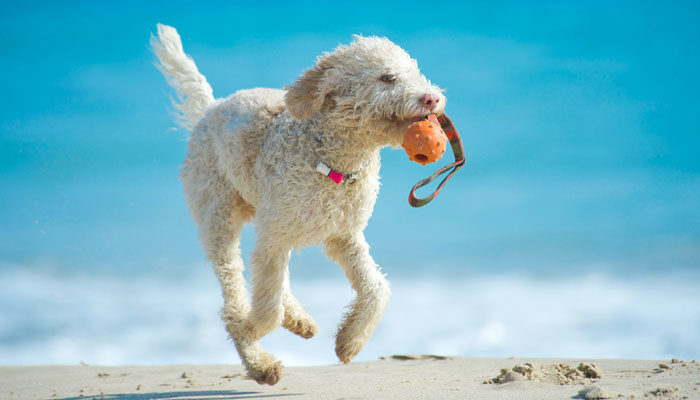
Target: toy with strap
{"type": "Point", "coordinates": [458, 150]}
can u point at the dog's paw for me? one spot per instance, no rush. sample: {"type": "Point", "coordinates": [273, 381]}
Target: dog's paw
{"type": "Point", "coordinates": [267, 376]}
{"type": "Point", "coordinates": [347, 347]}
{"type": "Point", "coordinates": [303, 326]}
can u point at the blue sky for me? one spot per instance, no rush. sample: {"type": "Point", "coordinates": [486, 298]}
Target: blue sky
{"type": "Point", "coordinates": [579, 121]}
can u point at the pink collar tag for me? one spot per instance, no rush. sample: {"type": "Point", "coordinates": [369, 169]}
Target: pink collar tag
{"type": "Point", "coordinates": [336, 176]}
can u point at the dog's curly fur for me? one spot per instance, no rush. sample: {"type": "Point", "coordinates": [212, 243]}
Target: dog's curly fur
{"type": "Point", "coordinates": [252, 157]}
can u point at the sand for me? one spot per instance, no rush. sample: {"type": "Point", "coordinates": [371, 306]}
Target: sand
{"type": "Point", "coordinates": [393, 377]}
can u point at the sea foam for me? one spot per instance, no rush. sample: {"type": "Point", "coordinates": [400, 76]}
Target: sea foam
{"type": "Point", "coordinates": [53, 318]}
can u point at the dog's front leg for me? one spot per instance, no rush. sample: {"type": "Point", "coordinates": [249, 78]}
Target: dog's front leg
{"type": "Point", "coordinates": [352, 253]}
{"type": "Point", "coordinates": [269, 267]}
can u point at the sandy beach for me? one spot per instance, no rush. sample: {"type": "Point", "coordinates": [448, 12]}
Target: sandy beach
{"type": "Point", "coordinates": [393, 377]}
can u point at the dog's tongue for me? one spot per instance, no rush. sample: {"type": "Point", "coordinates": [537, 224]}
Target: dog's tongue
{"type": "Point", "coordinates": [425, 141]}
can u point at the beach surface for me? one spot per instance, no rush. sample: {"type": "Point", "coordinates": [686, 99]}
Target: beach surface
{"type": "Point", "coordinates": [392, 377]}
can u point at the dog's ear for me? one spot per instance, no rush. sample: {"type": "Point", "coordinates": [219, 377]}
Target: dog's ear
{"type": "Point", "coordinates": [308, 93]}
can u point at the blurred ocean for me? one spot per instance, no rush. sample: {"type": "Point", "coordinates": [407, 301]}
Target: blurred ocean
{"type": "Point", "coordinates": [573, 231]}
{"type": "Point", "coordinates": [49, 317]}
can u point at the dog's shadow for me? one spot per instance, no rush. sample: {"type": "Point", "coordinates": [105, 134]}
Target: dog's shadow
{"type": "Point", "coordinates": [193, 395]}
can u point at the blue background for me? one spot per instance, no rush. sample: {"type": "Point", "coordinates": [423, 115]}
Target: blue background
{"type": "Point", "coordinates": [579, 119]}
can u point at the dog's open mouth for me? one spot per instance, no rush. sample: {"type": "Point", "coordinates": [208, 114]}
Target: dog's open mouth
{"type": "Point", "coordinates": [405, 122]}
{"type": "Point", "coordinates": [416, 118]}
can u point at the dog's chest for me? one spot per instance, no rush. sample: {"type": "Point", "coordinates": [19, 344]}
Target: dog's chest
{"type": "Point", "coordinates": [331, 209]}
{"type": "Point", "coordinates": [307, 207]}
{"type": "Point", "coordinates": [304, 205]}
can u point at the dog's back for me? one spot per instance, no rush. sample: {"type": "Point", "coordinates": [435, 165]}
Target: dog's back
{"type": "Point", "coordinates": [229, 138]}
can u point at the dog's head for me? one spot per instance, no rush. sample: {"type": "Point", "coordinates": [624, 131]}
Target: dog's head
{"type": "Point", "coordinates": [372, 85]}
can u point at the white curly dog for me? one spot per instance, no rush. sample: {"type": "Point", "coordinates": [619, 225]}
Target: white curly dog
{"type": "Point", "coordinates": [273, 157]}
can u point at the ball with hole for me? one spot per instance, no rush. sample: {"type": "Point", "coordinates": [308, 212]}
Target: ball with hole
{"type": "Point", "coordinates": [425, 141]}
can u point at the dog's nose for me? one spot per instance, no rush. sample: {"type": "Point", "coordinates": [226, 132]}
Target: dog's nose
{"type": "Point", "coordinates": [430, 101]}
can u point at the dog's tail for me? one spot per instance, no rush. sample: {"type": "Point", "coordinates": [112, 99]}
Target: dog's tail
{"type": "Point", "coordinates": [194, 94]}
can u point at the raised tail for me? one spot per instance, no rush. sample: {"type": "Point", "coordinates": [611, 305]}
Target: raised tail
{"type": "Point", "coordinates": [194, 94]}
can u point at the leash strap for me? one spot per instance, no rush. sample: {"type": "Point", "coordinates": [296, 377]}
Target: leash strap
{"type": "Point", "coordinates": [458, 150]}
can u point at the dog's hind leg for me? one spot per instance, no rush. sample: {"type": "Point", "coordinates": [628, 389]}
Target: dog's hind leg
{"type": "Point", "coordinates": [269, 271]}
{"type": "Point", "coordinates": [220, 233]}
{"type": "Point", "coordinates": [221, 218]}
{"type": "Point", "coordinates": [352, 253]}
{"type": "Point", "coordinates": [296, 320]}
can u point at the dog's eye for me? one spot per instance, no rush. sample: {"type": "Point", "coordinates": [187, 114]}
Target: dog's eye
{"type": "Point", "coordinates": [388, 78]}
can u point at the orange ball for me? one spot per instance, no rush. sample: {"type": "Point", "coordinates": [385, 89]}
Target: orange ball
{"type": "Point", "coordinates": [424, 142]}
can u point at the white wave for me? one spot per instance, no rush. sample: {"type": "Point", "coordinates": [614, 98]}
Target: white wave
{"type": "Point", "coordinates": [49, 318]}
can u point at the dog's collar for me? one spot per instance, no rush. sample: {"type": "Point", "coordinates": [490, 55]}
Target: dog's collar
{"type": "Point", "coordinates": [336, 176]}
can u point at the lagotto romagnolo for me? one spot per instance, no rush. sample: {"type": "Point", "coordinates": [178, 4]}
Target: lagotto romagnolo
{"type": "Point", "coordinates": [255, 156]}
